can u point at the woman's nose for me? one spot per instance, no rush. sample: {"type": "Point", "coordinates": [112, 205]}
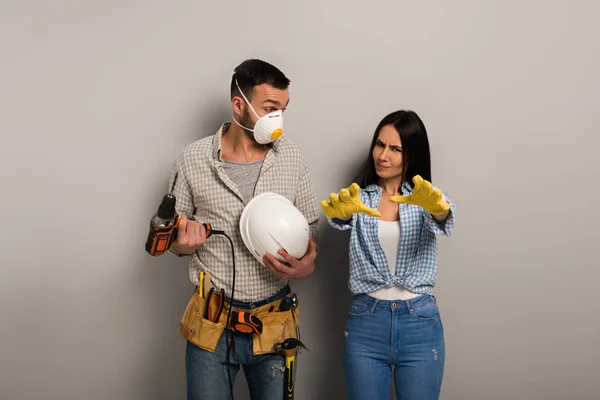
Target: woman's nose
{"type": "Point", "coordinates": [383, 155]}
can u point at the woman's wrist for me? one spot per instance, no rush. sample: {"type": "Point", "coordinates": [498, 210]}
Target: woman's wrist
{"type": "Point", "coordinates": [441, 217]}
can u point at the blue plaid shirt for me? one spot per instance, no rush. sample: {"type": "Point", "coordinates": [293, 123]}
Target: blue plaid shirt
{"type": "Point", "coordinates": [416, 266]}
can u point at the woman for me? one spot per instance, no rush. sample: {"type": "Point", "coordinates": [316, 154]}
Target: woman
{"type": "Point", "coordinates": [394, 216]}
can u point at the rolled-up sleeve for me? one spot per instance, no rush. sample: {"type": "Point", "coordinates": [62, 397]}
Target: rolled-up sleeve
{"type": "Point", "coordinates": [342, 225]}
{"type": "Point", "coordinates": [184, 202]}
{"type": "Point", "coordinates": [182, 191]}
{"type": "Point", "coordinates": [306, 200]}
{"type": "Point", "coordinates": [441, 228]}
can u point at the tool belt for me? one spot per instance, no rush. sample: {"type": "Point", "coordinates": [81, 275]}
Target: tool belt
{"type": "Point", "coordinates": [276, 325]}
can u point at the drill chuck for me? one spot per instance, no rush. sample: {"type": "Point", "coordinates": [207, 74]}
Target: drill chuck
{"type": "Point", "coordinates": [166, 210]}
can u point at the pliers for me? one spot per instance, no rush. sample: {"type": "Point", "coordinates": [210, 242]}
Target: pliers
{"type": "Point", "coordinates": [218, 302]}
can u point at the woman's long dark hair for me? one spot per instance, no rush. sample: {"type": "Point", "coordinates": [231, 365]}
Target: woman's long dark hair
{"type": "Point", "coordinates": [415, 148]}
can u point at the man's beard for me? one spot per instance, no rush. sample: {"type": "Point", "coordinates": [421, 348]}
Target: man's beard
{"type": "Point", "coordinates": [247, 122]}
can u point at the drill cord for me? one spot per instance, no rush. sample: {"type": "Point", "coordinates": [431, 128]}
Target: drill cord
{"type": "Point", "coordinates": [174, 182]}
{"type": "Point", "coordinates": [230, 345]}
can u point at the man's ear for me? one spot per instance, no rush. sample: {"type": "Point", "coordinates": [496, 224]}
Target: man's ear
{"type": "Point", "coordinates": [237, 105]}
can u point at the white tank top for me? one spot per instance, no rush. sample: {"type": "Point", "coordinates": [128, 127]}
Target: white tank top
{"type": "Point", "coordinates": [389, 236]}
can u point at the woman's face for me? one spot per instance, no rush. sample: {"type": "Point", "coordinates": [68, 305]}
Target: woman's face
{"type": "Point", "coordinates": [387, 153]}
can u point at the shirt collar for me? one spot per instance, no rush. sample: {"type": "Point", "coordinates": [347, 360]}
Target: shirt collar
{"type": "Point", "coordinates": [217, 141]}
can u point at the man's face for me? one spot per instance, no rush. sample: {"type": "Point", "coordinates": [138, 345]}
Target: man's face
{"type": "Point", "coordinates": [264, 99]}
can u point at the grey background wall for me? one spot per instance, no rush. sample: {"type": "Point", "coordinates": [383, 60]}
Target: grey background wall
{"type": "Point", "coordinates": [98, 97]}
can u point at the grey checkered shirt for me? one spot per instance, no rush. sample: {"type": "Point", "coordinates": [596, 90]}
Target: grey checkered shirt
{"type": "Point", "coordinates": [204, 190]}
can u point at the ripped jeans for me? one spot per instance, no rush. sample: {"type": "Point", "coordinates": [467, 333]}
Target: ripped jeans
{"type": "Point", "coordinates": [206, 373]}
{"type": "Point", "coordinates": [403, 340]}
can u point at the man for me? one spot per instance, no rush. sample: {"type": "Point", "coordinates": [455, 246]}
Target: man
{"type": "Point", "coordinates": [216, 177]}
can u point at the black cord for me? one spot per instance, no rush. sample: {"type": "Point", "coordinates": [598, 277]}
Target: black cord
{"type": "Point", "coordinates": [228, 332]}
{"type": "Point", "coordinates": [230, 346]}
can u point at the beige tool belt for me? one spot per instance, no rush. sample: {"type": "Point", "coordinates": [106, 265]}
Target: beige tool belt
{"type": "Point", "coordinates": [277, 325]}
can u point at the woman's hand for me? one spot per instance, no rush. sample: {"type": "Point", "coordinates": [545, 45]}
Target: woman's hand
{"type": "Point", "coordinates": [346, 203]}
{"type": "Point", "coordinates": [425, 196]}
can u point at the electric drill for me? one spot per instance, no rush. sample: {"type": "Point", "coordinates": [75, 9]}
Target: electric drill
{"type": "Point", "coordinates": [164, 225]}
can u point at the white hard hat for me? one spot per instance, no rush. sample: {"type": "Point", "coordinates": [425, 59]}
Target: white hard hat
{"type": "Point", "coordinates": [271, 222]}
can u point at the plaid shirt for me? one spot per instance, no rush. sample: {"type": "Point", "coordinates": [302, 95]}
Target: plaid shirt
{"type": "Point", "coordinates": [416, 266]}
{"type": "Point", "coordinates": [204, 190]}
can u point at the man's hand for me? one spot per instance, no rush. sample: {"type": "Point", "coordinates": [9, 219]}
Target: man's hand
{"type": "Point", "coordinates": [425, 196]}
{"type": "Point", "coordinates": [346, 203]}
{"type": "Point", "coordinates": [191, 235]}
{"type": "Point", "coordinates": [296, 269]}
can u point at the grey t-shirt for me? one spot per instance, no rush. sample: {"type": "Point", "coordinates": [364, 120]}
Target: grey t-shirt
{"type": "Point", "coordinates": [244, 175]}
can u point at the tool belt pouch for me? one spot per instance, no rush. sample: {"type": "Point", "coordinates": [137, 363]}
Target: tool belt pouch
{"type": "Point", "coordinates": [277, 326]}
{"type": "Point", "coordinates": [197, 329]}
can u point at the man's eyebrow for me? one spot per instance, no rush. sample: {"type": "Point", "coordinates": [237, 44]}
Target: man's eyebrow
{"type": "Point", "coordinates": [274, 102]}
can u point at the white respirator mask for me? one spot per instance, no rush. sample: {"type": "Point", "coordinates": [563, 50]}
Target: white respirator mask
{"type": "Point", "coordinates": [268, 128]}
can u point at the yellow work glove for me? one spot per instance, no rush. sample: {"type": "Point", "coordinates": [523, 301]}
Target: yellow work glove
{"type": "Point", "coordinates": [346, 203]}
{"type": "Point", "coordinates": [425, 196]}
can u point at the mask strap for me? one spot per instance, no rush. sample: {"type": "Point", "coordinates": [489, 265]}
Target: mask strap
{"type": "Point", "coordinates": [240, 125]}
{"type": "Point", "coordinates": [247, 102]}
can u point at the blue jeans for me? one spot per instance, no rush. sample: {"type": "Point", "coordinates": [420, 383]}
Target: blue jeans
{"type": "Point", "coordinates": [405, 338]}
{"type": "Point", "coordinates": [206, 372]}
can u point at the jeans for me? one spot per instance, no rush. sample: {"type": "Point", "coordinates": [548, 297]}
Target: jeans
{"type": "Point", "coordinates": [206, 372]}
{"type": "Point", "coordinates": [403, 338]}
